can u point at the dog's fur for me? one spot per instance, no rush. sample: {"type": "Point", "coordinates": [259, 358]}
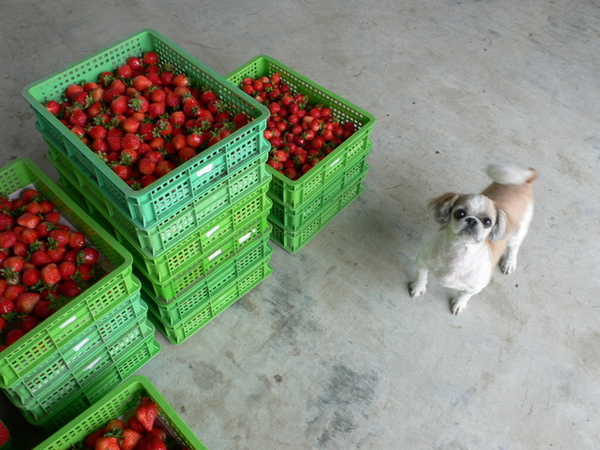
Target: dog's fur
{"type": "Point", "coordinates": [478, 231]}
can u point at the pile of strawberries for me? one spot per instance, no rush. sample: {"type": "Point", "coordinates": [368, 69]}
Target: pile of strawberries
{"type": "Point", "coordinates": [43, 263]}
{"type": "Point", "coordinates": [300, 134]}
{"type": "Point", "coordinates": [140, 432]}
{"type": "Point", "coordinates": [144, 119]}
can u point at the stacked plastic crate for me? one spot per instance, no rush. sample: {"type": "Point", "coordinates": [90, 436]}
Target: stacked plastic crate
{"type": "Point", "coordinates": [92, 343]}
{"type": "Point", "coordinates": [303, 207]}
{"type": "Point", "coordinates": [120, 403]}
{"type": "Point", "coordinates": [199, 234]}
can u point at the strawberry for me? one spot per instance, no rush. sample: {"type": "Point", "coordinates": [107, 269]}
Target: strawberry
{"type": "Point", "coordinates": [33, 208]}
{"type": "Point", "coordinates": [50, 274]}
{"type": "Point", "coordinates": [53, 217]}
{"type": "Point", "coordinates": [26, 302]}
{"type": "Point", "coordinates": [135, 424]}
{"type": "Point", "coordinates": [29, 220]}
{"type": "Point", "coordinates": [46, 206]}
{"type": "Point", "coordinates": [114, 425]}
{"type": "Point", "coordinates": [13, 335]}
{"type": "Point", "coordinates": [88, 255]}
{"type": "Point", "coordinates": [3, 286]}
{"type": "Point", "coordinates": [76, 239]}
{"type": "Point", "coordinates": [44, 228]}
{"type": "Point", "coordinates": [6, 222]}
{"type": "Point", "coordinates": [6, 305]}
{"type": "Point", "coordinates": [60, 236]}
{"type": "Point", "coordinates": [56, 254]}
{"type": "Point", "coordinates": [20, 249]}
{"type": "Point", "coordinates": [40, 258]}
{"type": "Point", "coordinates": [130, 439]}
{"type": "Point", "coordinates": [67, 270]}
{"type": "Point", "coordinates": [8, 238]}
{"type": "Point", "coordinates": [13, 291]}
{"type": "Point", "coordinates": [107, 443]}
{"type": "Point", "coordinates": [69, 288]}
{"type": "Point", "coordinates": [43, 309]}
{"type": "Point", "coordinates": [28, 236]}
{"type": "Point", "coordinates": [91, 439]}
{"type": "Point", "coordinates": [30, 277]}
{"type": "Point", "coordinates": [84, 273]}
{"type": "Point", "coordinates": [146, 413]}
{"type": "Point", "coordinates": [2, 323]}
{"type": "Point", "coordinates": [152, 442]}
{"type": "Point", "coordinates": [29, 322]}
{"type": "Point", "coordinates": [30, 194]}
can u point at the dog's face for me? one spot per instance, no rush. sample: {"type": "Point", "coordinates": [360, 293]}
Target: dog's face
{"type": "Point", "coordinates": [472, 217]}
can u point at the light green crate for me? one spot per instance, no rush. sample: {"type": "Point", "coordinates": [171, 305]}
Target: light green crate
{"type": "Point", "coordinates": [120, 402]}
{"type": "Point", "coordinates": [293, 193]}
{"type": "Point", "coordinates": [69, 321]}
{"type": "Point", "coordinates": [158, 201]}
{"type": "Point", "coordinates": [293, 242]}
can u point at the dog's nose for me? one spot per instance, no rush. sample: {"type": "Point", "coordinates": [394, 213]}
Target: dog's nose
{"type": "Point", "coordinates": [471, 221]}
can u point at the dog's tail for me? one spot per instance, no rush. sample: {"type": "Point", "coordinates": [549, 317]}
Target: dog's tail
{"type": "Point", "coordinates": [511, 174]}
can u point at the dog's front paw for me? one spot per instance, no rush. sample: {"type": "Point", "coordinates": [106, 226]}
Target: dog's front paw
{"type": "Point", "coordinates": [458, 305]}
{"type": "Point", "coordinates": [508, 264]}
{"type": "Point", "coordinates": [416, 289]}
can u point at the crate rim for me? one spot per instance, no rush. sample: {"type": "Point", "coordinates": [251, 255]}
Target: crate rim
{"type": "Point", "coordinates": [75, 141]}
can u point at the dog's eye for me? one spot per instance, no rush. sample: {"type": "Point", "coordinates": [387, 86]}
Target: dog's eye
{"type": "Point", "coordinates": [487, 222]}
{"type": "Point", "coordinates": [459, 214]}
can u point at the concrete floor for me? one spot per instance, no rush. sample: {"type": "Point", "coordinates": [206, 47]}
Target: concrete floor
{"type": "Point", "coordinates": [330, 352]}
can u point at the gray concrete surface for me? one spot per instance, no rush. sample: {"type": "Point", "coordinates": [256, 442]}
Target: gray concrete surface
{"type": "Point", "coordinates": [330, 352]}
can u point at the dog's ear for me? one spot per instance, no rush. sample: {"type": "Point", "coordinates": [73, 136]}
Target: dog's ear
{"type": "Point", "coordinates": [504, 227]}
{"type": "Point", "coordinates": [442, 206]}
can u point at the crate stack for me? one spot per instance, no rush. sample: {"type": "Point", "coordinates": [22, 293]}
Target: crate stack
{"type": "Point", "coordinates": [303, 207]}
{"type": "Point", "coordinates": [199, 234]}
{"type": "Point", "coordinates": [92, 343]}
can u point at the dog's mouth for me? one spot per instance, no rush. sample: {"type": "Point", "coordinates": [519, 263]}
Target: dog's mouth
{"type": "Point", "coordinates": [471, 232]}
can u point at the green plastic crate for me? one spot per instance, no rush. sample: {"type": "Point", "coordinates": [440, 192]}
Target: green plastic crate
{"type": "Point", "coordinates": [294, 241]}
{"type": "Point", "coordinates": [121, 402]}
{"type": "Point", "coordinates": [208, 222]}
{"type": "Point", "coordinates": [106, 340]}
{"type": "Point", "coordinates": [158, 201]}
{"type": "Point", "coordinates": [187, 316]}
{"type": "Point", "coordinates": [119, 284]}
{"type": "Point", "coordinates": [240, 189]}
{"type": "Point", "coordinates": [56, 410]}
{"type": "Point", "coordinates": [293, 193]}
{"type": "Point", "coordinates": [173, 290]}
{"type": "Point", "coordinates": [292, 220]}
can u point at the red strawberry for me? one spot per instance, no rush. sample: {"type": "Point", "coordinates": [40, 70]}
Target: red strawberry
{"type": "Point", "coordinates": [91, 439]}
{"type": "Point", "coordinates": [40, 258]}
{"type": "Point", "coordinates": [6, 305]}
{"type": "Point", "coordinates": [56, 254]}
{"type": "Point", "coordinates": [29, 322]}
{"type": "Point", "coordinates": [6, 222]}
{"type": "Point", "coordinates": [53, 217]}
{"type": "Point", "coordinates": [152, 442]}
{"type": "Point", "coordinates": [33, 208]}
{"type": "Point", "coordinates": [3, 286]}
{"type": "Point", "coordinates": [146, 413]}
{"type": "Point", "coordinates": [13, 291]}
{"type": "Point", "coordinates": [26, 302]}
{"type": "Point", "coordinates": [107, 443]}
{"type": "Point", "coordinates": [67, 270]}
{"type": "Point", "coordinates": [76, 239]}
{"type": "Point", "coordinates": [20, 249]}
{"type": "Point", "coordinates": [28, 236]}
{"type": "Point", "coordinates": [130, 439]}
{"type": "Point", "coordinates": [2, 325]}
{"type": "Point", "coordinates": [69, 288]}
{"type": "Point", "coordinates": [44, 228]}
{"type": "Point", "coordinates": [60, 236]}
{"type": "Point", "coordinates": [135, 424]}
{"type": "Point", "coordinates": [88, 255]}
{"type": "Point", "coordinates": [47, 206]}
{"type": "Point", "coordinates": [30, 194]}
{"type": "Point", "coordinates": [13, 335]}
{"type": "Point", "coordinates": [8, 238]}
{"type": "Point", "coordinates": [30, 277]}
{"type": "Point", "coordinates": [29, 220]}
{"type": "Point", "coordinates": [50, 274]}
{"type": "Point", "coordinates": [84, 273]}
{"type": "Point", "coordinates": [43, 309]}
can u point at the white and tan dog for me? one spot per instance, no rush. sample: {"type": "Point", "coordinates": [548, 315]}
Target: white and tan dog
{"type": "Point", "coordinates": [478, 231]}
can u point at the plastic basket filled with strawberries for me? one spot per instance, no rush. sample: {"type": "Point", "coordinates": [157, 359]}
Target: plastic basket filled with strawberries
{"type": "Point", "coordinates": [134, 415]}
{"type": "Point", "coordinates": [149, 124]}
{"type": "Point", "coordinates": [59, 271]}
{"type": "Point", "coordinates": [315, 135]}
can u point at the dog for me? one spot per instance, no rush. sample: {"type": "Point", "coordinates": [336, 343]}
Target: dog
{"type": "Point", "coordinates": [478, 232]}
